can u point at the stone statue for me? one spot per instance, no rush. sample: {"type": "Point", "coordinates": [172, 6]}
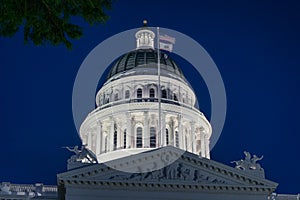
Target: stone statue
{"type": "Point", "coordinates": [248, 163]}
{"type": "Point", "coordinates": [82, 155]}
{"type": "Point", "coordinates": [75, 150]}
{"type": "Point", "coordinates": [254, 164]}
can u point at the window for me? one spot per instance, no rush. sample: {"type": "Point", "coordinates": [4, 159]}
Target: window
{"type": "Point", "coordinates": [116, 97]}
{"type": "Point", "coordinates": [176, 138]}
{"type": "Point", "coordinates": [124, 134]}
{"type": "Point", "coordinates": [164, 94]}
{"type": "Point", "coordinates": [175, 97]}
{"type": "Point", "coordinates": [139, 93]}
{"type": "Point", "coordinates": [167, 136]}
{"type": "Point", "coordinates": [151, 93]}
{"type": "Point", "coordinates": [186, 143]}
{"type": "Point", "coordinates": [139, 137]}
{"type": "Point", "coordinates": [115, 136]}
{"type": "Point", "coordinates": [127, 94]}
{"type": "Point", "coordinates": [152, 137]}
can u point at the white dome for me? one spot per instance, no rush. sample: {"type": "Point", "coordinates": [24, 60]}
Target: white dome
{"type": "Point", "coordinates": [126, 119]}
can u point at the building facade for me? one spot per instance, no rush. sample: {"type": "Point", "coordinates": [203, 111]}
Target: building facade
{"type": "Point", "coordinates": [150, 141]}
{"type": "Point", "coordinates": [146, 139]}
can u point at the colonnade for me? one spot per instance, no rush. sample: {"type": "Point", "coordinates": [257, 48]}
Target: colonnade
{"type": "Point", "coordinates": [121, 132]}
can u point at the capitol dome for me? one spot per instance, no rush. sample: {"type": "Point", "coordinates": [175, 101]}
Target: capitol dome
{"type": "Point", "coordinates": [137, 111]}
{"type": "Point", "coordinates": [146, 61]}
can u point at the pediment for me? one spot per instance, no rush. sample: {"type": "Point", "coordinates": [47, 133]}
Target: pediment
{"type": "Point", "coordinates": [167, 165]}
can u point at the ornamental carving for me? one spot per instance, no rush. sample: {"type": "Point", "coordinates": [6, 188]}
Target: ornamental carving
{"type": "Point", "coordinates": [249, 163]}
{"type": "Point", "coordinates": [175, 171]}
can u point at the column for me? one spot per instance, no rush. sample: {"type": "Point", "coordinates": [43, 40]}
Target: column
{"type": "Point", "coordinates": [128, 130]}
{"type": "Point", "coordinates": [89, 142]}
{"type": "Point", "coordinates": [184, 134]}
{"type": "Point", "coordinates": [98, 137]}
{"type": "Point", "coordinates": [180, 132]}
{"type": "Point", "coordinates": [111, 135]}
{"type": "Point", "coordinates": [202, 143]}
{"type": "Point", "coordinates": [193, 138]}
{"type": "Point", "coordinates": [172, 132]}
{"type": "Point", "coordinates": [119, 133]}
{"type": "Point", "coordinates": [163, 128]}
{"type": "Point", "coordinates": [103, 136]}
{"type": "Point", "coordinates": [146, 135]}
{"type": "Point", "coordinates": [207, 153]}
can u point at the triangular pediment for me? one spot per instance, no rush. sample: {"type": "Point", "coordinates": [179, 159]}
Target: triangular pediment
{"type": "Point", "coordinates": [169, 166]}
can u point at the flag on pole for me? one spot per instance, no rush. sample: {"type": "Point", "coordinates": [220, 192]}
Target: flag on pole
{"type": "Point", "coordinates": [166, 46]}
{"type": "Point", "coordinates": [166, 42]}
{"type": "Point", "coordinates": [167, 38]}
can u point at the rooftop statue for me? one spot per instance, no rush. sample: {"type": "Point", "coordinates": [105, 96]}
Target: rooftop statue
{"type": "Point", "coordinates": [249, 163]}
{"type": "Point", "coordinates": [82, 155]}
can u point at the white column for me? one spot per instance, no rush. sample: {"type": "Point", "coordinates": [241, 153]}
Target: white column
{"type": "Point", "coordinates": [163, 127]}
{"type": "Point", "coordinates": [111, 135]}
{"type": "Point", "coordinates": [133, 136]}
{"type": "Point", "coordinates": [172, 132]}
{"type": "Point", "coordinates": [184, 133]}
{"type": "Point", "coordinates": [128, 130]}
{"type": "Point", "coordinates": [202, 143]}
{"type": "Point", "coordinates": [207, 153]}
{"type": "Point", "coordinates": [180, 132]}
{"type": "Point", "coordinates": [146, 135]}
{"type": "Point", "coordinates": [89, 142]}
{"type": "Point", "coordinates": [193, 138]}
{"type": "Point", "coordinates": [98, 138]}
{"type": "Point", "coordinates": [103, 142]}
{"type": "Point", "coordinates": [119, 133]}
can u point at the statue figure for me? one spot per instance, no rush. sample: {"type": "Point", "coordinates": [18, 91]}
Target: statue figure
{"type": "Point", "coordinates": [82, 155]}
{"type": "Point", "coordinates": [75, 149]}
{"type": "Point", "coordinates": [254, 164]}
{"type": "Point", "coordinates": [248, 163]}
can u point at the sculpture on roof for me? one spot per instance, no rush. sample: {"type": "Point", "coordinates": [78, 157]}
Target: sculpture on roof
{"type": "Point", "coordinates": [249, 163]}
{"type": "Point", "coordinates": [82, 155]}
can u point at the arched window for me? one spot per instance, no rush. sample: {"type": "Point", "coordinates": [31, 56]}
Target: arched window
{"type": "Point", "coordinates": [167, 136]}
{"type": "Point", "coordinates": [127, 94]}
{"type": "Point", "coordinates": [116, 98]}
{"type": "Point", "coordinates": [186, 143]}
{"type": "Point", "coordinates": [139, 93]}
{"type": "Point", "coordinates": [176, 138]}
{"type": "Point", "coordinates": [164, 94]}
{"type": "Point", "coordinates": [103, 99]}
{"type": "Point", "coordinates": [139, 137]}
{"type": "Point", "coordinates": [175, 97]}
{"type": "Point", "coordinates": [198, 145]}
{"type": "Point", "coordinates": [152, 137]}
{"type": "Point", "coordinates": [115, 136]}
{"type": "Point", "coordinates": [124, 135]}
{"type": "Point", "coordinates": [151, 93]}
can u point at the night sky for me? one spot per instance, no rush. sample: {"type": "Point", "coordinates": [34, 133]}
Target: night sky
{"type": "Point", "coordinates": [255, 45]}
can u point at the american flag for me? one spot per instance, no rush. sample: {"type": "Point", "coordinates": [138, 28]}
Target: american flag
{"type": "Point", "coordinates": [166, 46]}
{"type": "Point", "coordinates": [167, 38]}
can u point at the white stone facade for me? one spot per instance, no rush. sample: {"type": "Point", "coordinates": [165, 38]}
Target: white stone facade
{"type": "Point", "coordinates": [126, 119]}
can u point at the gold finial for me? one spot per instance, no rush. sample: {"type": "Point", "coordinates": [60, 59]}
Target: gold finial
{"type": "Point", "coordinates": [145, 23]}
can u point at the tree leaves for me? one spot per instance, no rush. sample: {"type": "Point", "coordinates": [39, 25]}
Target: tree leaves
{"type": "Point", "coordinates": [49, 21]}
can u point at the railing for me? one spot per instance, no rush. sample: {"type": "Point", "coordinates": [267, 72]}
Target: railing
{"type": "Point", "coordinates": [137, 100]}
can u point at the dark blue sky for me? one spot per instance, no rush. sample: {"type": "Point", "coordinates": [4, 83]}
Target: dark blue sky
{"type": "Point", "coordinates": [254, 44]}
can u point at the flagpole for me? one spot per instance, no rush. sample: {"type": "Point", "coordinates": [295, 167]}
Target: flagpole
{"type": "Point", "coordinates": [159, 91]}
